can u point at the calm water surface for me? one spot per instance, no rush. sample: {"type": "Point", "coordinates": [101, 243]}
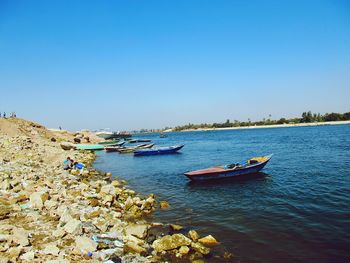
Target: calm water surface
{"type": "Point", "coordinates": [297, 211]}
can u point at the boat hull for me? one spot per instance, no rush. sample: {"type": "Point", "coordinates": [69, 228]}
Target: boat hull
{"type": "Point", "coordinates": [221, 173]}
{"type": "Point", "coordinates": [110, 142]}
{"type": "Point", "coordinates": [139, 140]}
{"type": "Point", "coordinates": [90, 147]}
{"type": "Point", "coordinates": [169, 150]}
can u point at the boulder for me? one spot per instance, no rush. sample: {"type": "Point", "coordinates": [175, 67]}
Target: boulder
{"type": "Point", "coordinates": [101, 225]}
{"type": "Point", "coordinates": [75, 172]}
{"type": "Point", "coordinates": [208, 241]}
{"type": "Point", "coordinates": [5, 212]}
{"type": "Point", "coordinates": [79, 136]}
{"type": "Point", "coordinates": [85, 173]}
{"type": "Point", "coordinates": [131, 247]}
{"type": "Point", "coordinates": [20, 236]}
{"type": "Point", "coordinates": [139, 230]}
{"type": "Point", "coordinates": [5, 185]}
{"type": "Point", "coordinates": [184, 250]}
{"type": "Point", "coordinates": [28, 257]}
{"type": "Point", "coordinates": [107, 189]}
{"type": "Point", "coordinates": [85, 244]}
{"type": "Point", "coordinates": [50, 204]}
{"type": "Point", "coordinates": [200, 248]}
{"type": "Point", "coordinates": [4, 237]}
{"type": "Point", "coordinates": [37, 199]}
{"type": "Point", "coordinates": [93, 214]}
{"type": "Point", "coordinates": [65, 216]}
{"type": "Point", "coordinates": [67, 146]}
{"type": "Point", "coordinates": [59, 233]}
{"type": "Point", "coordinates": [73, 226]}
{"type": "Point", "coordinates": [14, 252]}
{"type": "Point", "coordinates": [193, 235]}
{"type": "Point", "coordinates": [116, 183]}
{"type": "Point", "coordinates": [164, 205]}
{"type": "Point", "coordinates": [175, 227]}
{"type": "Point", "coordinates": [51, 249]}
{"type": "Point", "coordinates": [171, 242]}
{"type": "Point", "coordinates": [128, 203]}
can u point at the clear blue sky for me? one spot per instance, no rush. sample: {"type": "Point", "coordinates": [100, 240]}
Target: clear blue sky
{"type": "Point", "coordinates": [150, 64]}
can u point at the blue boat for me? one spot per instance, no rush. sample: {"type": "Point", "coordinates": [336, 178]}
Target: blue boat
{"type": "Point", "coordinates": [251, 166]}
{"type": "Point", "coordinates": [160, 150]}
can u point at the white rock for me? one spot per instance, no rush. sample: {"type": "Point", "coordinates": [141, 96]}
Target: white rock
{"type": "Point", "coordinates": [85, 244]}
{"type": "Point", "coordinates": [49, 204]}
{"type": "Point", "coordinates": [37, 199]}
{"type": "Point", "coordinates": [4, 237]}
{"type": "Point", "coordinates": [73, 226]}
{"type": "Point", "coordinates": [58, 232]}
{"type": "Point", "coordinates": [51, 249]}
{"type": "Point", "coordinates": [139, 231]}
{"type": "Point", "coordinates": [29, 256]}
{"type": "Point", "coordinates": [108, 189]}
{"type": "Point", "coordinates": [20, 236]}
{"type": "Point", "coordinates": [65, 216]}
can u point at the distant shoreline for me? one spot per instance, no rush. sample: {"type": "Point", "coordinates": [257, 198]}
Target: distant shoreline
{"type": "Point", "coordinates": [268, 126]}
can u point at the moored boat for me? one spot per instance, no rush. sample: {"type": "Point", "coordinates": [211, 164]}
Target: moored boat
{"type": "Point", "coordinates": [116, 135]}
{"type": "Point", "coordinates": [139, 140]}
{"type": "Point", "coordinates": [145, 146]}
{"type": "Point", "coordinates": [133, 148]}
{"type": "Point", "coordinates": [110, 142]}
{"type": "Point", "coordinates": [90, 147]}
{"type": "Point", "coordinates": [112, 148]}
{"type": "Point", "coordinates": [251, 166]}
{"type": "Point", "coordinates": [156, 151]}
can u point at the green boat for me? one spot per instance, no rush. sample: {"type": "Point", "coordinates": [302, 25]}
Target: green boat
{"type": "Point", "coordinates": [90, 147]}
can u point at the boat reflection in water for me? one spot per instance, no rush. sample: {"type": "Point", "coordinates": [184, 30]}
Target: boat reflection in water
{"type": "Point", "coordinates": [229, 181]}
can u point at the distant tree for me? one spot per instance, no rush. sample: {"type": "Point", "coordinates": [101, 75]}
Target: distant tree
{"type": "Point", "coordinates": [281, 121]}
{"type": "Point", "coordinates": [333, 117]}
{"type": "Point", "coordinates": [306, 117]}
{"type": "Point", "coordinates": [346, 116]}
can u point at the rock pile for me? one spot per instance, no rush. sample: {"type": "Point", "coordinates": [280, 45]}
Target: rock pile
{"type": "Point", "coordinates": [47, 213]}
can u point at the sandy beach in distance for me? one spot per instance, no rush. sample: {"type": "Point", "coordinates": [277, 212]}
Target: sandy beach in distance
{"type": "Point", "coordinates": [270, 126]}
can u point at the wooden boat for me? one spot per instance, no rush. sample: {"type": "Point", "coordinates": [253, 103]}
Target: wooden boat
{"type": "Point", "coordinates": [145, 146]}
{"type": "Point", "coordinates": [116, 135]}
{"type": "Point", "coordinates": [90, 147]}
{"type": "Point", "coordinates": [161, 150]}
{"type": "Point", "coordinates": [113, 148]}
{"type": "Point", "coordinates": [133, 148]}
{"type": "Point", "coordinates": [251, 166]}
{"type": "Point", "coordinates": [109, 142]}
{"type": "Point", "coordinates": [96, 147]}
{"type": "Point", "coordinates": [127, 150]}
{"type": "Point", "coordinates": [139, 140]}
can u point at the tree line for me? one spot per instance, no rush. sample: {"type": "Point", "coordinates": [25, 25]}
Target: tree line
{"type": "Point", "coordinates": [306, 117]}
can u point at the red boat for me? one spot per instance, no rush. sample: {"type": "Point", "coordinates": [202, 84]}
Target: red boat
{"type": "Point", "coordinates": [251, 166]}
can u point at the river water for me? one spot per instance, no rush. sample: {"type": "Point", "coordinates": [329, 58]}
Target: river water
{"type": "Point", "coordinates": [298, 210]}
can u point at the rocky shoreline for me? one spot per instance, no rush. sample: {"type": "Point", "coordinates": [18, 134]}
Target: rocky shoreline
{"type": "Point", "coordinates": [48, 214]}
